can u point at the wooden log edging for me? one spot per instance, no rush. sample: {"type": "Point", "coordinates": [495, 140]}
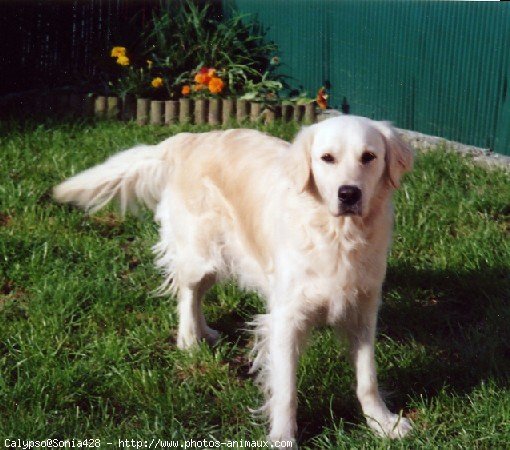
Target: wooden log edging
{"type": "Point", "coordinates": [227, 110]}
{"type": "Point", "coordinates": [157, 109]}
{"type": "Point", "coordinates": [112, 108]}
{"type": "Point", "coordinates": [171, 112]}
{"type": "Point", "coordinates": [287, 112]}
{"type": "Point", "coordinates": [271, 113]}
{"type": "Point", "coordinates": [213, 116]}
{"type": "Point", "coordinates": [142, 111]}
{"type": "Point", "coordinates": [128, 108]}
{"type": "Point", "coordinates": [241, 111]}
{"type": "Point", "coordinates": [213, 111]}
{"type": "Point", "coordinates": [255, 111]}
{"type": "Point", "coordinates": [310, 114]}
{"type": "Point", "coordinates": [298, 111]}
{"type": "Point", "coordinates": [100, 106]}
{"type": "Point", "coordinates": [200, 111]}
{"type": "Point", "coordinates": [184, 110]}
{"type": "Point", "coordinates": [216, 111]}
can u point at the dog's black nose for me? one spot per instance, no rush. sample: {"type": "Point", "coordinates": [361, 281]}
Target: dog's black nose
{"type": "Point", "coordinates": [349, 195]}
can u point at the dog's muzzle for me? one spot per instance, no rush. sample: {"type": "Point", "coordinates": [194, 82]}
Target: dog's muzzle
{"type": "Point", "coordinates": [349, 200]}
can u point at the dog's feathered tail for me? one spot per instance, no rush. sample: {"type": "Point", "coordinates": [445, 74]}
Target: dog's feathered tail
{"type": "Point", "coordinates": [133, 176]}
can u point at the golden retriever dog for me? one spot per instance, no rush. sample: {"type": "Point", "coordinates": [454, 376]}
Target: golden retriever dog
{"type": "Point", "coordinates": [306, 224]}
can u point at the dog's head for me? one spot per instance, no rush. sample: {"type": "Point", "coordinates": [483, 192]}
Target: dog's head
{"type": "Point", "coordinates": [347, 160]}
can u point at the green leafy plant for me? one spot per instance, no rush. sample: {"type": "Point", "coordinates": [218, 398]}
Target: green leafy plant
{"type": "Point", "coordinates": [132, 81]}
{"type": "Point", "coordinates": [266, 90]}
{"type": "Point", "coordinates": [133, 74]}
{"type": "Point", "coordinates": [183, 37]}
{"type": "Point", "coordinates": [299, 97]}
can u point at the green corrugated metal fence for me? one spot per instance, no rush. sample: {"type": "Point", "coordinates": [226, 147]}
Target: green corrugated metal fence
{"type": "Point", "coordinates": [438, 67]}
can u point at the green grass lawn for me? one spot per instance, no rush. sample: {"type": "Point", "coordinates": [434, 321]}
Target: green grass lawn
{"type": "Point", "coordinates": [87, 352]}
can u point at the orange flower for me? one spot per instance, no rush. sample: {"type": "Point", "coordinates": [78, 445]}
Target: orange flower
{"type": "Point", "coordinates": [186, 90]}
{"type": "Point", "coordinates": [275, 61]}
{"type": "Point", "coordinates": [322, 98]}
{"type": "Point", "coordinates": [216, 85]}
{"type": "Point", "coordinates": [201, 78]}
{"type": "Point", "coordinates": [198, 87]}
{"type": "Point", "coordinates": [204, 75]}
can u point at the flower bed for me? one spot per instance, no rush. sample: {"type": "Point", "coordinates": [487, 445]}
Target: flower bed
{"type": "Point", "coordinates": [188, 66]}
{"type": "Point", "coordinates": [191, 67]}
{"type": "Point", "coordinates": [204, 95]}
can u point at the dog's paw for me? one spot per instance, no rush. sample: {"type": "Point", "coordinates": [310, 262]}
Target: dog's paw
{"type": "Point", "coordinates": [211, 336]}
{"type": "Point", "coordinates": [282, 443]}
{"type": "Point", "coordinates": [391, 426]}
{"type": "Point", "coordinates": [186, 341]}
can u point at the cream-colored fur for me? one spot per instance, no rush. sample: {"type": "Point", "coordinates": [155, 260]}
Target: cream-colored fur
{"type": "Point", "coordinates": [239, 203]}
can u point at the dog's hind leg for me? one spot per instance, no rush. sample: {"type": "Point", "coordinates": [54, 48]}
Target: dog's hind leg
{"type": "Point", "coordinates": [285, 339]}
{"type": "Point", "coordinates": [189, 271]}
{"type": "Point", "coordinates": [192, 324]}
{"type": "Point", "coordinates": [207, 333]}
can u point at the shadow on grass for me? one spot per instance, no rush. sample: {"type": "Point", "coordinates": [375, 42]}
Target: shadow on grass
{"type": "Point", "coordinates": [446, 329]}
{"type": "Point", "coordinates": [460, 318]}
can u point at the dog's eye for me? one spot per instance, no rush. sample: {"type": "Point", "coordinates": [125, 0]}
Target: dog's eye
{"type": "Point", "coordinates": [367, 157]}
{"type": "Point", "coordinates": [328, 158]}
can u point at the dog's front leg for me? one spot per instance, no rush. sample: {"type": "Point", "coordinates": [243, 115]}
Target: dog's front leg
{"type": "Point", "coordinates": [284, 341]}
{"type": "Point", "coordinates": [361, 333]}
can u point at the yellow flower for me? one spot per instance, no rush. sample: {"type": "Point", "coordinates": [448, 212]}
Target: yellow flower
{"type": "Point", "coordinates": [123, 61]}
{"type": "Point", "coordinates": [216, 85]}
{"type": "Point", "coordinates": [157, 82]}
{"type": "Point", "coordinates": [118, 51]}
{"type": "Point", "coordinates": [149, 64]}
{"type": "Point", "coordinates": [185, 90]}
{"type": "Point", "coordinates": [198, 87]}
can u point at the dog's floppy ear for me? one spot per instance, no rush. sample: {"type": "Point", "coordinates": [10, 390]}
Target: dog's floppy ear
{"type": "Point", "coordinates": [399, 155]}
{"type": "Point", "coordinates": [298, 161]}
